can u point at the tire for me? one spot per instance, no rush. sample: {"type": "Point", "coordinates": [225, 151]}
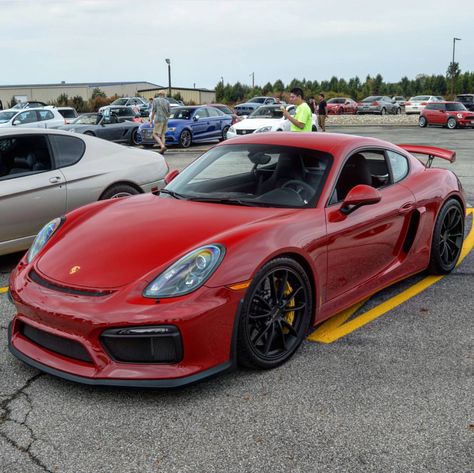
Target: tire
{"type": "Point", "coordinates": [340, 111]}
{"type": "Point", "coordinates": [452, 123]}
{"type": "Point", "coordinates": [118, 190]}
{"type": "Point", "coordinates": [423, 122]}
{"type": "Point", "coordinates": [185, 139]}
{"type": "Point", "coordinates": [448, 235]}
{"type": "Point", "coordinates": [135, 138]}
{"type": "Point", "coordinates": [383, 111]}
{"type": "Point", "coordinates": [224, 133]}
{"type": "Point", "coordinates": [398, 111]}
{"type": "Point", "coordinates": [269, 331]}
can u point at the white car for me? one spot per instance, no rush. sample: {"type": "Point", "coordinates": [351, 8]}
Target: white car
{"type": "Point", "coordinates": [46, 173]}
{"type": "Point", "coordinates": [265, 118]}
{"type": "Point", "coordinates": [45, 117]}
{"type": "Point", "coordinates": [418, 103]}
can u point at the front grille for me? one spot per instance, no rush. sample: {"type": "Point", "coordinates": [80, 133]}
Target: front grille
{"type": "Point", "coordinates": [244, 132]}
{"type": "Point", "coordinates": [158, 344]}
{"type": "Point", "coordinates": [69, 290]}
{"type": "Point", "coordinates": [61, 345]}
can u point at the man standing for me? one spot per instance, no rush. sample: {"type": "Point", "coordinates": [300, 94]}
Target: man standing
{"type": "Point", "coordinates": [159, 117]}
{"type": "Point", "coordinates": [302, 120]}
{"type": "Point", "coordinates": [322, 112]}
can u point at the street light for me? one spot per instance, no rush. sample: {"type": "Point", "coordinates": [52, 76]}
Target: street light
{"type": "Point", "coordinates": [452, 65]}
{"type": "Point", "coordinates": [168, 61]}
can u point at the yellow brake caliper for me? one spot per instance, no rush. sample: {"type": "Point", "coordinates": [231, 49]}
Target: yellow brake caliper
{"type": "Point", "coordinates": [290, 316]}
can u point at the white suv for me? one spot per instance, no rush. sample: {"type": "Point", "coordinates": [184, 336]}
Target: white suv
{"type": "Point", "coordinates": [46, 117]}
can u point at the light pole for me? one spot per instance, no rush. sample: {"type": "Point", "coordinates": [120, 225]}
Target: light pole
{"type": "Point", "coordinates": [452, 65]}
{"type": "Point", "coordinates": [222, 80]}
{"type": "Point", "coordinates": [253, 79]}
{"type": "Point", "coordinates": [168, 61]}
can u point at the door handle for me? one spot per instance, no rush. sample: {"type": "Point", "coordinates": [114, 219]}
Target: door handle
{"type": "Point", "coordinates": [406, 208]}
{"type": "Point", "coordinates": [55, 179]}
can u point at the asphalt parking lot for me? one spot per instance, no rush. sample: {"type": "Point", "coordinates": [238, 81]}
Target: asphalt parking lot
{"type": "Point", "coordinates": [394, 395]}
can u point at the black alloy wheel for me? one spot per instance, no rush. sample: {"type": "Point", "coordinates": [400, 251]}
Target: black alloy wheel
{"type": "Point", "coordinates": [275, 316]}
{"type": "Point", "coordinates": [185, 139]}
{"type": "Point", "coordinates": [134, 140]}
{"type": "Point", "coordinates": [448, 236]}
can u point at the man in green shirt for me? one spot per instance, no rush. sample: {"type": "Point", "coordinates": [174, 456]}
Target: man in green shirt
{"type": "Point", "coordinates": [303, 118]}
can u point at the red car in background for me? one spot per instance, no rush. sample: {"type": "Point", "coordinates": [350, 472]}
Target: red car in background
{"type": "Point", "coordinates": [259, 239]}
{"type": "Point", "coordinates": [340, 105]}
{"type": "Point", "coordinates": [448, 114]}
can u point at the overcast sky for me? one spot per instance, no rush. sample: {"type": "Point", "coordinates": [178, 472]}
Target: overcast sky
{"type": "Point", "coordinates": [49, 41]}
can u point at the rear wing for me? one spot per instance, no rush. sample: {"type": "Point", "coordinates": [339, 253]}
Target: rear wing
{"type": "Point", "coordinates": [432, 152]}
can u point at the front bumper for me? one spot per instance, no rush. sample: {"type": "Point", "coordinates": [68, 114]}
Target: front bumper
{"type": "Point", "coordinates": [205, 320]}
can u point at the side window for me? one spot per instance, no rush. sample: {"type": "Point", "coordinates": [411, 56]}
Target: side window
{"type": "Point", "coordinates": [45, 115]}
{"type": "Point", "coordinates": [68, 150]}
{"type": "Point", "coordinates": [213, 112]}
{"type": "Point", "coordinates": [201, 113]}
{"type": "Point", "coordinates": [399, 165]}
{"type": "Point", "coordinates": [26, 117]}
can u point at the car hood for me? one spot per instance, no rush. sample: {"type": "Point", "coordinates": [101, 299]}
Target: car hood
{"type": "Point", "coordinates": [115, 244]}
{"type": "Point", "coordinates": [255, 123]}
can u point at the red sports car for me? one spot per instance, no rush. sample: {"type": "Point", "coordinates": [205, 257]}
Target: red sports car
{"type": "Point", "coordinates": [340, 105]}
{"type": "Point", "coordinates": [450, 114]}
{"type": "Point", "coordinates": [261, 238]}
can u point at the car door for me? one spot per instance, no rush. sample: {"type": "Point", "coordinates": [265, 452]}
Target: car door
{"type": "Point", "coordinates": [437, 113]}
{"type": "Point", "coordinates": [200, 124]}
{"type": "Point", "coordinates": [27, 119]}
{"type": "Point", "coordinates": [109, 127]}
{"type": "Point", "coordinates": [216, 119]}
{"type": "Point", "coordinates": [32, 190]}
{"type": "Point", "coordinates": [364, 244]}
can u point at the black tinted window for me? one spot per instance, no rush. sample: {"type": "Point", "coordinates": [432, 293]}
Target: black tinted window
{"type": "Point", "coordinates": [68, 150]}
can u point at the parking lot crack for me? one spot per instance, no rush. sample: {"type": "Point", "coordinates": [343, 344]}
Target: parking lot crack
{"type": "Point", "coordinates": [14, 412]}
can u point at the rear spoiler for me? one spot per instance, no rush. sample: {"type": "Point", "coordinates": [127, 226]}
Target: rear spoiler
{"type": "Point", "coordinates": [432, 152]}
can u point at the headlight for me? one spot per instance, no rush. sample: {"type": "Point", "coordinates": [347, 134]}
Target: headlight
{"type": "Point", "coordinates": [232, 129]}
{"type": "Point", "coordinates": [264, 129]}
{"type": "Point", "coordinates": [187, 274]}
{"type": "Point", "coordinates": [172, 129]}
{"type": "Point", "coordinates": [459, 115]}
{"type": "Point", "coordinates": [43, 236]}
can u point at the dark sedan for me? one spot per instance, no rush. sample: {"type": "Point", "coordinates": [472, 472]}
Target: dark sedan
{"type": "Point", "coordinates": [105, 126]}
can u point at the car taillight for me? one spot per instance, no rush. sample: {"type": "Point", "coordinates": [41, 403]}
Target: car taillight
{"type": "Point", "coordinates": [407, 103]}
{"type": "Point", "coordinates": [423, 103]}
{"type": "Point", "coordinates": [376, 104]}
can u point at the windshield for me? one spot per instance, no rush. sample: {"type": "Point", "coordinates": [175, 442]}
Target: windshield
{"type": "Point", "coordinates": [465, 98]}
{"type": "Point", "coordinates": [257, 100]}
{"type": "Point", "coordinates": [6, 116]}
{"type": "Point", "coordinates": [455, 107]}
{"type": "Point", "coordinates": [182, 113]}
{"type": "Point", "coordinates": [267, 112]}
{"type": "Point", "coordinates": [254, 175]}
{"type": "Point", "coordinates": [372, 98]}
{"type": "Point", "coordinates": [119, 102]}
{"type": "Point", "coordinates": [420, 98]}
{"type": "Point", "coordinates": [336, 101]}
{"type": "Point", "coordinates": [88, 119]}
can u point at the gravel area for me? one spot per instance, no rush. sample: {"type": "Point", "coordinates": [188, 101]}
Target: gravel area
{"type": "Point", "coordinates": [376, 120]}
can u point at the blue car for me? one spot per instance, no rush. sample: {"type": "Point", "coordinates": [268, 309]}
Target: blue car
{"type": "Point", "coordinates": [188, 125]}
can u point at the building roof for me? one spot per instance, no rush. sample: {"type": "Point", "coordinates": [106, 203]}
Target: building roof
{"type": "Point", "coordinates": [79, 84]}
{"type": "Point", "coordinates": [162, 87]}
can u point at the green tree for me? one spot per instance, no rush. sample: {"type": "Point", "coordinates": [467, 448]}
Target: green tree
{"type": "Point", "coordinates": [267, 88]}
{"type": "Point", "coordinates": [97, 92]}
{"type": "Point", "coordinates": [62, 100]}
{"type": "Point", "coordinates": [278, 86]}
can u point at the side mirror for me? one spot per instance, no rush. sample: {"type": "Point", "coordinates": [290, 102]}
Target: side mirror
{"type": "Point", "coordinates": [171, 175]}
{"type": "Point", "coordinates": [358, 196]}
{"type": "Point", "coordinates": [195, 118]}
{"type": "Point", "coordinates": [16, 122]}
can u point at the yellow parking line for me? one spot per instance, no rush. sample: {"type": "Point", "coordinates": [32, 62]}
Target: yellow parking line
{"type": "Point", "coordinates": [331, 331]}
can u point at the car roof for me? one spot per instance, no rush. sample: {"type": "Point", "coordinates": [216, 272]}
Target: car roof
{"type": "Point", "coordinates": [15, 131]}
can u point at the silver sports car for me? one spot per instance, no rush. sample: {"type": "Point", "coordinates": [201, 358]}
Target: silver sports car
{"type": "Point", "coordinates": [46, 173]}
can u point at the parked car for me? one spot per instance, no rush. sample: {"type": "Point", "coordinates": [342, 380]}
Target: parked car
{"type": "Point", "coordinates": [467, 100]}
{"type": "Point", "coordinates": [45, 173]}
{"type": "Point", "coordinates": [418, 103]}
{"type": "Point", "coordinates": [248, 107]}
{"type": "Point", "coordinates": [69, 113]}
{"type": "Point", "coordinates": [30, 104]}
{"type": "Point", "coordinates": [31, 118]}
{"type": "Point", "coordinates": [449, 114]}
{"type": "Point", "coordinates": [400, 100]}
{"type": "Point", "coordinates": [105, 126]}
{"type": "Point", "coordinates": [133, 102]}
{"type": "Point", "coordinates": [340, 105]}
{"type": "Point", "coordinates": [227, 110]}
{"type": "Point", "coordinates": [258, 240]}
{"type": "Point", "coordinates": [264, 119]}
{"type": "Point", "coordinates": [122, 113]}
{"type": "Point", "coordinates": [378, 104]}
{"type": "Point", "coordinates": [174, 103]}
{"type": "Point", "coordinates": [187, 125]}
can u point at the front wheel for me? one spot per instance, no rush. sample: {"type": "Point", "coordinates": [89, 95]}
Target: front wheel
{"type": "Point", "coordinates": [275, 316]}
{"type": "Point", "coordinates": [185, 139]}
{"type": "Point", "coordinates": [448, 238]}
{"type": "Point", "coordinates": [422, 122]}
{"type": "Point", "coordinates": [452, 123]}
{"type": "Point", "coordinates": [135, 138]}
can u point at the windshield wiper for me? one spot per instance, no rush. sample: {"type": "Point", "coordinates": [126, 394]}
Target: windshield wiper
{"type": "Point", "coordinates": [220, 200]}
{"type": "Point", "coordinates": [174, 194]}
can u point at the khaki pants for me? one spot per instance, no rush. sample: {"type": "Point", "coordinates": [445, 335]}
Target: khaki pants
{"type": "Point", "coordinates": [160, 130]}
{"type": "Point", "coordinates": [322, 122]}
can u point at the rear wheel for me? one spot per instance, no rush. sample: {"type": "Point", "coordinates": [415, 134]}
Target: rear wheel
{"type": "Point", "coordinates": [423, 122]}
{"type": "Point", "coordinates": [185, 139]}
{"type": "Point", "coordinates": [224, 133]}
{"type": "Point", "coordinates": [383, 111]}
{"type": "Point", "coordinates": [452, 123]}
{"type": "Point", "coordinates": [275, 315]}
{"type": "Point", "coordinates": [448, 238]}
{"type": "Point", "coordinates": [118, 190]}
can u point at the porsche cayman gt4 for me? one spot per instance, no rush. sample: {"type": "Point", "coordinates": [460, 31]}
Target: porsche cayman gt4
{"type": "Point", "coordinates": [254, 243]}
